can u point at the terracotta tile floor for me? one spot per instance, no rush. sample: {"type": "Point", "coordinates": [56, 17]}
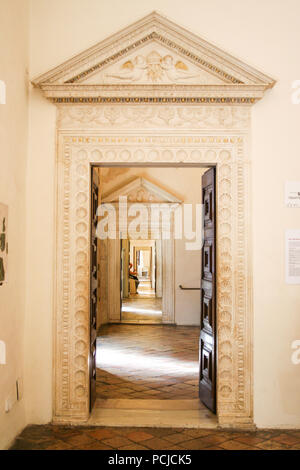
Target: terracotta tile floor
{"type": "Point", "coordinates": [95, 438]}
{"type": "Point", "coordinates": [147, 361]}
{"type": "Point", "coordinates": [156, 361]}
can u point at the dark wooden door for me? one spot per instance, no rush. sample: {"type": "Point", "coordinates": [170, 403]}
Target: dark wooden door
{"type": "Point", "coordinates": [93, 290]}
{"type": "Point", "coordinates": [207, 346]}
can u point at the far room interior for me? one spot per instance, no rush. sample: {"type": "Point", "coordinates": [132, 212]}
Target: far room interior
{"type": "Point", "coordinates": [148, 293]}
{"type": "Point", "coordinates": [141, 281]}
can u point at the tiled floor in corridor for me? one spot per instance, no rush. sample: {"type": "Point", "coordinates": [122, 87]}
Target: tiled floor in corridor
{"type": "Point", "coordinates": [159, 362]}
{"type": "Point", "coordinates": [143, 306]}
{"type": "Point", "coordinates": [96, 438]}
{"type": "Point", "coordinates": [147, 361]}
{"type": "Point", "coordinates": [141, 309]}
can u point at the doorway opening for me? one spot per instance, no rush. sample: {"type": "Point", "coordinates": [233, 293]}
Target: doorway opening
{"type": "Point", "coordinates": [141, 281]}
{"type": "Point", "coordinates": [153, 334]}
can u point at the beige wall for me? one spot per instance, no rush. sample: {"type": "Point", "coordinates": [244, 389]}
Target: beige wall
{"type": "Point", "coordinates": [264, 33]}
{"type": "Point", "coordinates": [14, 40]}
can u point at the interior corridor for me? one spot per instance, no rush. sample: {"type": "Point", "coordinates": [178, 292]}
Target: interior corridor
{"type": "Point", "coordinates": [143, 306]}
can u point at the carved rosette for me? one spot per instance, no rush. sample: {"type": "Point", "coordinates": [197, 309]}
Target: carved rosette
{"type": "Point", "coordinates": [225, 280]}
{"type": "Point", "coordinates": [77, 149]}
{"type": "Point", "coordinates": [72, 288]}
{"type": "Point", "coordinates": [80, 278]}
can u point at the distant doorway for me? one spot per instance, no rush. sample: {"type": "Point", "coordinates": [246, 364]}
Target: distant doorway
{"type": "Point", "coordinates": [141, 281]}
{"type": "Point", "coordinates": [136, 272]}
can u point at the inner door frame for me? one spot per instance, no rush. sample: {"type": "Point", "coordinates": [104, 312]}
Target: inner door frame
{"type": "Point", "coordinates": [81, 145]}
{"type": "Point", "coordinates": [168, 266]}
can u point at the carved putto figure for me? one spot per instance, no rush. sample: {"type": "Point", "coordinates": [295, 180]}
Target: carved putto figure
{"type": "Point", "coordinates": [153, 67]}
{"type": "Point", "coordinates": [133, 71]}
{"type": "Point", "coordinates": [176, 71]}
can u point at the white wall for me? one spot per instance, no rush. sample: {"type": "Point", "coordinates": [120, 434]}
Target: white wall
{"type": "Point", "coordinates": [14, 59]}
{"type": "Point", "coordinates": [264, 33]}
{"type": "Point", "coordinates": [187, 274]}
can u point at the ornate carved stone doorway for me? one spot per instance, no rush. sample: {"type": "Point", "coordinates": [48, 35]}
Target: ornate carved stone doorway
{"type": "Point", "coordinates": [153, 93]}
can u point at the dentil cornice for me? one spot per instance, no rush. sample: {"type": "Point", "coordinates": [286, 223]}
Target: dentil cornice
{"type": "Point", "coordinates": [154, 61]}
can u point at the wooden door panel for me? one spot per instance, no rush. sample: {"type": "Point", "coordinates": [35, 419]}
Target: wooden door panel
{"type": "Point", "coordinates": [208, 259]}
{"type": "Point", "coordinates": [207, 346]}
{"type": "Point", "coordinates": [208, 206]}
{"type": "Point", "coordinates": [207, 317]}
{"type": "Point", "coordinates": [93, 294]}
{"type": "Point", "coordinates": [206, 378]}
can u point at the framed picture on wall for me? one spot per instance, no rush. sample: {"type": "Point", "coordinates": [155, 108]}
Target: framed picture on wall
{"type": "Point", "coordinates": [3, 243]}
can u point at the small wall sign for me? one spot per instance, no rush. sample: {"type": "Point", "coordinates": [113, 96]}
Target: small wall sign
{"type": "Point", "coordinates": [292, 240]}
{"type": "Point", "coordinates": [292, 194]}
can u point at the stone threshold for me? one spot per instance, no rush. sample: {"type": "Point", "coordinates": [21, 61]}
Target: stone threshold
{"type": "Point", "coordinates": [152, 413]}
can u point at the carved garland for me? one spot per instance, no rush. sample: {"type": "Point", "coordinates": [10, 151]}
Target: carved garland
{"type": "Point", "coordinates": [77, 150]}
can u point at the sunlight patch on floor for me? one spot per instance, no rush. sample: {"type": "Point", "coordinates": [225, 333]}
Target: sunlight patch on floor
{"type": "Point", "coordinates": [107, 358]}
{"type": "Point", "coordinates": [133, 309]}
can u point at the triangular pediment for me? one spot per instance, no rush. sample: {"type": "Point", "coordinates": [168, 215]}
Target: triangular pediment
{"type": "Point", "coordinates": [141, 191]}
{"type": "Point", "coordinates": [152, 55]}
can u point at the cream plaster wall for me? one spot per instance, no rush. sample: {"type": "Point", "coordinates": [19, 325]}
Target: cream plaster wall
{"type": "Point", "coordinates": [40, 259]}
{"type": "Point", "coordinates": [14, 60]}
{"type": "Point", "coordinates": [264, 33]}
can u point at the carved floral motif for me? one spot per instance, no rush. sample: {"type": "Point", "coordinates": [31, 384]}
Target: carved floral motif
{"type": "Point", "coordinates": [200, 117]}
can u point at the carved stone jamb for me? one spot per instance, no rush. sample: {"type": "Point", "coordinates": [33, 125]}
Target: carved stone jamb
{"type": "Point", "coordinates": [228, 150]}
